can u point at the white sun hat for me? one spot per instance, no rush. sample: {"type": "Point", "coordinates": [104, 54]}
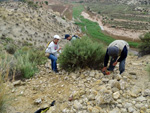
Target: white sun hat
{"type": "Point", "coordinates": [57, 37]}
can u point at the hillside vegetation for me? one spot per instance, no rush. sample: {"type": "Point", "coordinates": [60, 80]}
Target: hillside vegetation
{"type": "Point", "coordinates": [92, 29]}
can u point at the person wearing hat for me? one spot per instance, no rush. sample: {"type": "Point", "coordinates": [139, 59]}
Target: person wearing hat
{"type": "Point", "coordinates": [70, 38]}
{"type": "Point", "coordinates": [118, 51]}
{"type": "Point", "coordinates": [53, 49]}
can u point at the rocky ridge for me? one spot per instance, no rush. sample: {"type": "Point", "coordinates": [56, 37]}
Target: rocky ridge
{"type": "Point", "coordinates": [85, 91]}
{"type": "Point", "coordinates": [37, 26]}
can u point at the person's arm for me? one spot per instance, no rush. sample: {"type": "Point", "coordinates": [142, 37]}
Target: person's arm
{"type": "Point", "coordinates": [106, 59]}
{"type": "Point", "coordinates": [123, 54]}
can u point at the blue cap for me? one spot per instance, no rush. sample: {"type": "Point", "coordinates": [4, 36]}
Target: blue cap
{"type": "Point", "coordinates": [113, 51]}
{"type": "Point", "coordinates": [66, 36]}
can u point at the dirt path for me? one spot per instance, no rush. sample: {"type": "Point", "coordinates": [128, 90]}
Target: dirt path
{"type": "Point", "coordinates": [126, 34]}
{"type": "Point", "coordinates": [64, 10]}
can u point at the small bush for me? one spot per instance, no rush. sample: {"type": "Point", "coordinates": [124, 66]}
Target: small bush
{"type": "Point", "coordinates": [27, 61]}
{"type": "Point", "coordinates": [145, 45]}
{"type": "Point", "coordinates": [24, 65]}
{"type": "Point", "coordinates": [46, 2]}
{"type": "Point", "coordinates": [82, 53]}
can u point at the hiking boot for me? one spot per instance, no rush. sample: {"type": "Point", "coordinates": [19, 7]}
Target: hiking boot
{"type": "Point", "coordinates": [56, 71]}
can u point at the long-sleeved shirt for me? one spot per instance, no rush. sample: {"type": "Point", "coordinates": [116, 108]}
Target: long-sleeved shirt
{"type": "Point", "coordinates": [52, 48]}
{"type": "Point", "coordinates": [123, 56]}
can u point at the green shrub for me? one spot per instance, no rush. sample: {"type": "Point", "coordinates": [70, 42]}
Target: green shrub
{"type": "Point", "coordinates": [27, 61]}
{"type": "Point", "coordinates": [145, 45]}
{"type": "Point", "coordinates": [82, 53]}
{"type": "Point", "coordinates": [24, 65]}
{"type": "Point", "coordinates": [46, 2]}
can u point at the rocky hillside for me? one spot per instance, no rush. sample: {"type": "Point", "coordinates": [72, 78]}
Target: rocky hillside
{"type": "Point", "coordinates": [85, 91]}
{"type": "Point", "coordinates": [37, 26]}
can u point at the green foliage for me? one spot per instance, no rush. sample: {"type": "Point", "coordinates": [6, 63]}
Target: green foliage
{"type": "Point", "coordinates": [24, 65]}
{"type": "Point", "coordinates": [82, 53]}
{"type": "Point", "coordinates": [30, 3]}
{"type": "Point", "coordinates": [145, 45]}
{"type": "Point", "coordinates": [92, 29]}
{"type": "Point", "coordinates": [28, 59]}
{"type": "Point", "coordinates": [46, 2]}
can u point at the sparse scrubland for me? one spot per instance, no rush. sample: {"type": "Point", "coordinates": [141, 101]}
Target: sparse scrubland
{"type": "Point", "coordinates": [78, 87]}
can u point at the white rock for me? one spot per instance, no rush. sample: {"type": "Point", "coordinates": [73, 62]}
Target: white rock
{"type": "Point", "coordinates": [77, 105]}
{"type": "Point", "coordinates": [92, 74]}
{"type": "Point", "coordinates": [131, 110]}
{"type": "Point", "coordinates": [116, 95]}
{"type": "Point", "coordinates": [115, 111]}
{"type": "Point", "coordinates": [139, 105]}
{"type": "Point", "coordinates": [17, 83]}
{"type": "Point", "coordinates": [127, 105]}
{"type": "Point", "coordinates": [146, 92]}
{"type": "Point", "coordinates": [38, 101]}
{"type": "Point", "coordinates": [141, 98]}
{"type": "Point", "coordinates": [123, 110]}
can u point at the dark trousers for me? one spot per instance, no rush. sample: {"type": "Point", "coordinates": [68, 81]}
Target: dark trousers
{"type": "Point", "coordinates": [121, 65]}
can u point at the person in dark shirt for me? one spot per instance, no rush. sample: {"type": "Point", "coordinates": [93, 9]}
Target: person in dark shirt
{"type": "Point", "coordinates": [118, 50]}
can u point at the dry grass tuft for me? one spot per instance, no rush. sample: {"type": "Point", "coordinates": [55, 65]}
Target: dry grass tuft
{"type": "Point", "coordinates": [3, 91]}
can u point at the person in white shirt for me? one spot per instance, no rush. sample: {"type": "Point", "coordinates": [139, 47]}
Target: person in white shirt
{"type": "Point", "coordinates": [53, 48]}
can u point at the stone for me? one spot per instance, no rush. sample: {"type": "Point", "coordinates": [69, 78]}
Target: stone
{"type": "Point", "coordinates": [91, 97]}
{"type": "Point", "coordinates": [141, 99]}
{"type": "Point", "coordinates": [105, 79]}
{"type": "Point", "coordinates": [116, 110]}
{"type": "Point", "coordinates": [38, 101]}
{"type": "Point", "coordinates": [17, 83]}
{"type": "Point", "coordinates": [127, 105]}
{"type": "Point", "coordinates": [123, 84]}
{"type": "Point", "coordinates": [92, 74]}
{"type": "Point", "coordinates": [116, 95]}
{"type": "Point", "coordinates": [98, 82]}
{"type": "Point", "coordinates": [123, 110]}
{"type": "Point", "coordinates": [89, 108]}
{"type": "Point", "coordinates": [77, 105]}
{"type": "Point", "coordinates": [146, 92]}
{"type": "Point", "coordinates": [77, 94]}
{"type": "Point", "coordinates": [135, 91]}
{"type": "Point", "coordinates": [148, 111]}
{"type": "Point", "coordinates": [104, 98]}
{"type": "Point", "coordinates": [139, 105]}
{"type": "Point", "coordinates": [118, 77]}
{"type": "Point", "coordinates": [131, 109]}
{"type": "Point", "coordinates": [132, 73]}
{"type": "Point", "coordinates": [96, 109]}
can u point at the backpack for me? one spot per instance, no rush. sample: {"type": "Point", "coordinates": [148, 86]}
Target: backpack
{"type": "Point", "coordinates": [76, 36]}
{"type": "Point", "coordinates": [48, 44]}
